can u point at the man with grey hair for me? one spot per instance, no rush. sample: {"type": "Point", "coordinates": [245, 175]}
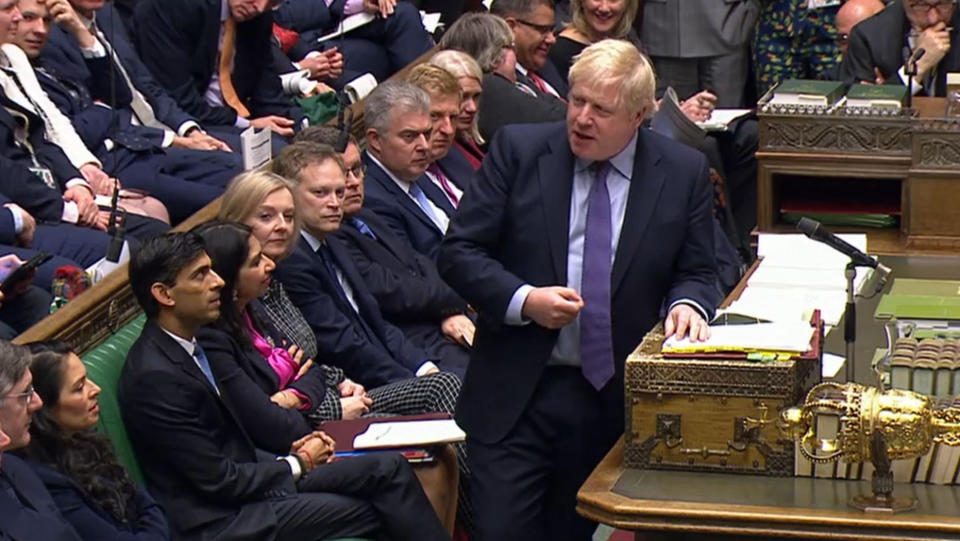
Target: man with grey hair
{"type": "Point", "coordinates": [398, 153]}
{"type": "Point", "coordinates": [573, 238]}
{"type": "Point", "coordinates": [27, 511]}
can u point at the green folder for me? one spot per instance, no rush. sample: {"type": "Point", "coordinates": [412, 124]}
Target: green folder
{"type": "Point", "coordinates": [918, 307]}
{"type": "Point", "coordinates": [916, 286]}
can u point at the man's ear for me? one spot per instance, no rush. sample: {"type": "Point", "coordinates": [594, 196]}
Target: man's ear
{"type": "Point", "coordinates": [161, 294]}
{"type": "Point", "coordinates": [373, 140]}
{"type": "Point", "coordinates": [511, 22]}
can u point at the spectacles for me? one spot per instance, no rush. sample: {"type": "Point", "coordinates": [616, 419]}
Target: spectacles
{"type": "Point", "coordinates": [358, 171]}
{"type": "Point", "coordinates": [922, 8]}
{"type": "Point", "coordinates": [542, 29]}
{"type": "Point", "coordinates": [25, 396]}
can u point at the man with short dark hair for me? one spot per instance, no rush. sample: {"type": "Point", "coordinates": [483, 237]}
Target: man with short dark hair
{"type": "Point", "coordinates": [27, 511]}
{"type": "Point", "coordinates": [198, 459]}
{"type": "Point", "coordinates": [882, 46]}
{"type": "Point", "coordinates": [532, 22]}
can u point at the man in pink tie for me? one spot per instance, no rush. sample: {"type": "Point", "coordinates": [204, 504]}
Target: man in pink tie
{"type": "Point", "coordinates": [448, 175]}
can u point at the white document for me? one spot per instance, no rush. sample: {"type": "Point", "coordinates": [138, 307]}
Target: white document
{"type": "Point", "coordinates": [784, 336]}
{"type": "Point", "coordinates": [798, 250]}
{"type": "Point", "coordinates": [409, 434]}
{"type": "Point", "coordinates": [349, 23]}
{"type": "Point", "coordinates": [256, 147]}
{"type": "Point", "coordinates": [358, 88]}
{"type": "Point", "coordinates": [431, 21]}
{"type": "Point", "coordinates": [720, 119]}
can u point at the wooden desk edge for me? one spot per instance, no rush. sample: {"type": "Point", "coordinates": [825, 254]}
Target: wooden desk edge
{"type": "Point", "coordinates": [597, 501]}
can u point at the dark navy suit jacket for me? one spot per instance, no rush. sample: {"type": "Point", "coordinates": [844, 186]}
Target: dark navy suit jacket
{"type": "Point", "coordinates": [342, 341]}
{"type": "Point", "coordinates": [457, 168]}
{"type": "Point", "coordinates": [514, 229]}
{"type": "Point", "coordinates": [40, 520]}
{"type": "Point", "coordinates": [92, 523]}
{"type": "Point", "coordinates": [404, 217]}
{"type": "Point", "coordinates": [62, 55]}
{"type": "Point", "coordinates": [179, 42]}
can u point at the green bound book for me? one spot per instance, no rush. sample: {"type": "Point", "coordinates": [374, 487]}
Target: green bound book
{"type": "Point", "coordinates": [883, 96]}
{"type": "Point", "coordinates": [918, 307]}
{"type": "Point", "coordinates": [808, 92]}
{"type": "Point", "coordinates": [916, 286]}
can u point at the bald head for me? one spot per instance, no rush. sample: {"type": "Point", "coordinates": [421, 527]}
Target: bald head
{"type": "Point", "coordinates": [851, 13]}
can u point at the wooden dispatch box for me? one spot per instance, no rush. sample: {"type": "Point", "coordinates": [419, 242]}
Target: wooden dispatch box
{"type": "Point", "coordinates": [712, 413]}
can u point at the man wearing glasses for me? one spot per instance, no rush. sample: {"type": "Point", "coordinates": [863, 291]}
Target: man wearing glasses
{"type": "Point", "coordinates": [532, 23]}
{"type": "Point", "coordinates": [887, 43]}
{"type": "Point", "coordinates": [27, 511]}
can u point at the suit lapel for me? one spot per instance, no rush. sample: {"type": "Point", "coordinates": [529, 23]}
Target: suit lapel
{"type": "Point", "coordinates": [387, 183]}
{"type": "Point", "coordinates": [384, 236]}
{"type": "Point", "coordinates": [645, 187]}
{"type": "Point", "coordinates": [555, 175]}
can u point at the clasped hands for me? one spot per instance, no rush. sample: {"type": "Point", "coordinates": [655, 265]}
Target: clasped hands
{"type": "Point", "coordinates": [314, 449]}
{"type": "Point", "coordinates": [554, 307]}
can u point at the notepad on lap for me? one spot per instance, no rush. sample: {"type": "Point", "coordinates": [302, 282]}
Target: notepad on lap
{"type": "Point", "coordinates": [409, 434]}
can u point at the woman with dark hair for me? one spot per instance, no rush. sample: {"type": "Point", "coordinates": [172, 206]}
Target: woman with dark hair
{"type": "Point", "coordinates": [78, 465]}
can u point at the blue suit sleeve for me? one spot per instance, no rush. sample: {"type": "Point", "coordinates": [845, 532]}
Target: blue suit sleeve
{"type": "Point", "coordinates": [91, 524]}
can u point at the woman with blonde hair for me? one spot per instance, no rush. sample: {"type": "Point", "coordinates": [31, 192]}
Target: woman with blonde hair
{"type": "Point", "coordinates": [592, 21]}
{"type": "Point", "coordinates": [470, 79]}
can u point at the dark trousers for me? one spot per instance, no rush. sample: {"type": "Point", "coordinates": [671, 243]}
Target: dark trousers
{"type": "Point", "coordinates": [525, 486]}
{"type": "Point", "coordinates": [359, 496]}
{"type": "Point", "coordinates": [19, 313]}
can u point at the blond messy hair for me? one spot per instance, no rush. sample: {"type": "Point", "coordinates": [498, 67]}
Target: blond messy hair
{"type": "Point", "coordinates": [618, 63]}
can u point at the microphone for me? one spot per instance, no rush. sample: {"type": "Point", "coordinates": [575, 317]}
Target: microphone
{"type": "Point", "coordinates": [343, 138]}
{"type": "Point", "coordinates": [817, 232]}
{"type": "Point", "coordinates": [917, 55]}
{"type": "Point", "coordinates": [117, 227]}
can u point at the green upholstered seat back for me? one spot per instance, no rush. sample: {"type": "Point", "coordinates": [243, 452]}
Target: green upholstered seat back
{"type": "Point", "coordinates": [104, 363]}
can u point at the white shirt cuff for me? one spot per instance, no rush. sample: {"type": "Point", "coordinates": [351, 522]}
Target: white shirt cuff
{"type": "Point", "coordinates": [97, 51]}
{"type": "Point", "coordinates": [425, 367]}
{"type": "Point", "coordinates": [241, 123]}
{"type": "Point", "coordinates": [187, 126]}
{"type": "Point", "coordinates": [79, 182]}
{"type": "Point", "coordinates": [294, 466]}
{"type": "Point", "coordinates": [514, 315]}
{"type": "Point", "coordinates": [917, 83]}
{"type": "Point", "coordinates": [17, 220]}
{"type": "Point", "coordinates": [71, 214]}
{"type": "Point", "coordinates": [167, 138]}
{"type": "Point", "coordinates": [694, 304]}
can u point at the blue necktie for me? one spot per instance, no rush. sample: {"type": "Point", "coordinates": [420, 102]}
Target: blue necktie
{"type": "Point", "coordinates": [596, 337]}
{"type": "Point", "coordinates": [424, 204]}
{"type": "Point", "coordinates": [204, 365]}
{"type": "Point", "coordinates": [363, 228]}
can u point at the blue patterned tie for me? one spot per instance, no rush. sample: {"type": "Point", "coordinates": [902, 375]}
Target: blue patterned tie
{"type": "Point", "coordinates": [596, 339]}
{"type": "Point", "coordinates": [204, 365]}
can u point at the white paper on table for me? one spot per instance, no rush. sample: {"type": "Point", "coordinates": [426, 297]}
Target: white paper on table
{"type": "Point", "coordinates": [348, 23]}
{"type": "Point", "coordinates": [792, 336]}
{"type": "Point", "coordinates": [798, 250]}
{"type": "Point", "coordinates": [256, 147]}
{"type": "Point", "coordinates": [720, 119]}
{"type": "Point", "coordinates": [409, 434]}
{"type": "Point", "coordinates": [831, 365]}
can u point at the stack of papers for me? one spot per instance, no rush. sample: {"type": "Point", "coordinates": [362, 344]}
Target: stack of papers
{"type": "Point", "coordinates": [797, 276]}
{"type": "Point", "coordinates": [409, 434]}
{"type": "Point", "coordinates": [787, 337]}
{"type": "Point", "coordinates": [720, 119]}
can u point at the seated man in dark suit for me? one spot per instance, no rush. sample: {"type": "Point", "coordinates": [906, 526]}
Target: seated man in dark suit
{"type": "Point", "coordinates": [215, 58]}
{"type": "Point", "coordinates": [532, 24]}
{"type": "Point", "coordinates": [450, 172]}
{"type": "Point", "coordinates": [199, 461]}
{"type": "Point", "coordinates": [398, 134]}
{"type": "Point", "coordinates": [139, 148]}
{"type": "Point", "coordinates": [880, 47]}
{"type": "Point", "coordinates": [395, 38]}
{"type": "Point", "coordinates": [27, 511]}
{"type": "Point", "coordinates": [25, 304]}
{"type": "Point", "coordinates": [405, 283]}
{"type": "Point", "coordinates": [321, 279]}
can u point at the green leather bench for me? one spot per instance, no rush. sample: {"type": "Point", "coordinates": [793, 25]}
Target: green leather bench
{"type": "Point", "coordinates": [104, 363]}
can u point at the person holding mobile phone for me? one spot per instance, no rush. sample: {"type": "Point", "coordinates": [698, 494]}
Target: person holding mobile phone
{"type": "Point", "coordinates": [22, 304]}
